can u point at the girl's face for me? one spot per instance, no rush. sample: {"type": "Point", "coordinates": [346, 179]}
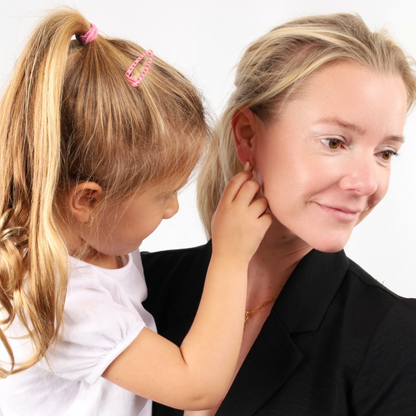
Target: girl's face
{"type": "Point", "coordinates": [122, 229]}
{"type": "Point", "coordinates": [325, 163]}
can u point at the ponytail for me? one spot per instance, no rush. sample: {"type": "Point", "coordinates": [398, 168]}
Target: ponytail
{"type": "Point", "coordinates": [33, 256]}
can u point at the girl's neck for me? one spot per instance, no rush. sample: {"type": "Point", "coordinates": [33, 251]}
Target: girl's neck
{"type": "Point", "coordinates": [78, 248]}
{"type": "Point", "coordinates": [91, 256]}
{"type": "Point", "coordinates": [273, 263]}
{"type": "Point", "coordinates": [104, 261]}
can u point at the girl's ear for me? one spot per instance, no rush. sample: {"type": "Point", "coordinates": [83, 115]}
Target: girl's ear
{"type": "Point", "coordinates": [83, 198]}
{"type": "Point", "coordinates": [244, 128]}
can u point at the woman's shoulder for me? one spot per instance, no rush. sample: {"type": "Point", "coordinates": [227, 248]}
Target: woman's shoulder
{"type": "Point", "coordinates": [393, 316]}
{"type": "Point", "coordinates": [365, 286]}
{"type": "Point", "coordinates": [171, 260]}
{"type": "Point", "coordinates": [386, 380]}
{"type": "Point", "coordinates": [396, 327]}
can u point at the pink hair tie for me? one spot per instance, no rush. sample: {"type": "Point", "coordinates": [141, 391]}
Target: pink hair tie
{"type": "Point", "coordinates": [135, 82]}
{"type": "Point", "coordinates": [89, 36]}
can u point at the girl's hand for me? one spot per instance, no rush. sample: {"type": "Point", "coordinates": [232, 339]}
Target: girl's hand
{"type": "Point", "coordinates": [240, 222]}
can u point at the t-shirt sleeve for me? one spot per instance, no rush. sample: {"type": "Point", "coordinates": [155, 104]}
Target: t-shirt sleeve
{"type": "Point", "coordinates": [386, 384]}
{"type": "Point", "coordinates": [99, 323]}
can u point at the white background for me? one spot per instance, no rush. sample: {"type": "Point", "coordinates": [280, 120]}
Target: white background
{"type": "Point", "coordinates": [205, 39]}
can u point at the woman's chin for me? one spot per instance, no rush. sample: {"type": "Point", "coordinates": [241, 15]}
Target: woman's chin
{"type": "Point", "coordinates": [330, 245]}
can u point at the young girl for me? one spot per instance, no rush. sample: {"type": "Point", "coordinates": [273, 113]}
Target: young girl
{"type": "Point", "coordinates": [97, 136]}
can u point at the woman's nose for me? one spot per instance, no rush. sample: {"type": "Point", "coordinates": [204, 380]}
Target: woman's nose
{"type": "Point", "coordinates": [172, 208]}
{"type": "Point", "coordinates": [361, 177]}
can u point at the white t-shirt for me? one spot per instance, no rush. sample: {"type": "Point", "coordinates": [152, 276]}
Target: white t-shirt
{"type": "Point", "coordinates": [103, 314]}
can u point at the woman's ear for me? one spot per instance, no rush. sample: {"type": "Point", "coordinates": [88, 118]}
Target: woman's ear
{"type": "Point", "coordinates": [244, 128]}
{"type": "Point", "coordinates": [83, 198]}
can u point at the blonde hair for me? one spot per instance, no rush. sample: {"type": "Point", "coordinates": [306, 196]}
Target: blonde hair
{"type": "Point", "coordinates": [272, 69]}
{"type": "Point", "coordinates": [68, 116]}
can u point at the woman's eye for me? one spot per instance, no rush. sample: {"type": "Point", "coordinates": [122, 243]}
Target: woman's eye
{"type": "Point", "coordinates": [332, 143]}
{"type": "Point", "coordinates": [387, 154]}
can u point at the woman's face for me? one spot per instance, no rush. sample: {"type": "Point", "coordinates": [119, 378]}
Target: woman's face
{"type": "Point", "coordinates": [325, 163]}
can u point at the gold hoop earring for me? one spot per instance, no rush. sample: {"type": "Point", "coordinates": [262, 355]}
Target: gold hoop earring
{"type": "Point", "coordinates": [248, 167]}
{"type": "Point", "coordinates": [89, 222]}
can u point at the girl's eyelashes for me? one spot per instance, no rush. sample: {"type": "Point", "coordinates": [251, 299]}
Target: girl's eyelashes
{"type": "Point", "coordinates": [333, 143]}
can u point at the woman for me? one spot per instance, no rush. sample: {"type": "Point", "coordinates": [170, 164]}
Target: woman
{"type": "Point", "coordinates": [318, 111]}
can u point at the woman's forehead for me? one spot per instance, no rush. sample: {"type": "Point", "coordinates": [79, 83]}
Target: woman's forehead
{"type": "Point", "coordinates": [351, 95]}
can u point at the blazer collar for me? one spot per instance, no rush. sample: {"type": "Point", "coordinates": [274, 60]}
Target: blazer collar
{"type": "Point", "coordinates": [274, 356]}
{"type": "Point", "coordinates": [308, 293]}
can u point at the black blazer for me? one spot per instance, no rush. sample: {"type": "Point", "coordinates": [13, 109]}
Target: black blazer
{"type": "Point", "coordinates": [336, 342]}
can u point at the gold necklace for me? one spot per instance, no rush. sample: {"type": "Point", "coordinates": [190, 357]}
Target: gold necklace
{"type": "Point", "coordinates": [253, 311]}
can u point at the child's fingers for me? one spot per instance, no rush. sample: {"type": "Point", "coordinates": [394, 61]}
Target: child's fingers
{"type": "Point", "coordinates": [234, 186]}
{"type": "Point", "coordinates": [258, 207]}
{"type": "Point", "coordinates": [247, 193]}
{"type": "Point", "coordinates": [264, 221]}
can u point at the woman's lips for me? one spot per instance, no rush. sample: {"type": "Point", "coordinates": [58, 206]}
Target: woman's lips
{"type": "Point", "coordinates": [342, 214]}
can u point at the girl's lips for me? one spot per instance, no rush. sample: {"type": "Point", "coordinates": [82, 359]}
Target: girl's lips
{"type": "Point", "coordinates": [341, 214]}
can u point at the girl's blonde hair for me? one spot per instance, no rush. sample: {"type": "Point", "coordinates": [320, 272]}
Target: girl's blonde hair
{"type": "Point", "coordinates": [275, 65]}
{"type": "Point", "coordinates": [69, 115]}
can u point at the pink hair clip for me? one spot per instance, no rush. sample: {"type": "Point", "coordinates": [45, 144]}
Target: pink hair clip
{"type": "Point", "coordinates": [135, 82]}
{"type": "Point", "coordinates": [89, 36]}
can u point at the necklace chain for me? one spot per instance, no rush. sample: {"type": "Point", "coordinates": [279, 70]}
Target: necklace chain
{"type": "Point", "coordinates": [255, 310]}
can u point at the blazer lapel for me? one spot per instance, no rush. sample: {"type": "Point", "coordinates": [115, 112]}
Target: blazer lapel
{"type": "Point", "coordinates": [300, 307]}
{"type": "Point", "coordinates": [268, 365]}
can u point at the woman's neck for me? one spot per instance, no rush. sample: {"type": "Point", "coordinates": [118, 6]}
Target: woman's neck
{"type": "Point", "coordinates": [273, 263]}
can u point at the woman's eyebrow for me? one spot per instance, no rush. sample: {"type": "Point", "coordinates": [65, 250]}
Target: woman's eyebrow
{"type": "Point", "coordinates": [341, 123]}
{"type": "Point", "coordinates": [354, 127]}
{"type": "Point", "coordinates": [399, 139]}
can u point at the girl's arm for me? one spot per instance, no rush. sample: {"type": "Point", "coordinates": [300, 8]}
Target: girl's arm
{"type": "Point", "coordinates": [198, 374]}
